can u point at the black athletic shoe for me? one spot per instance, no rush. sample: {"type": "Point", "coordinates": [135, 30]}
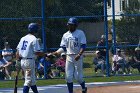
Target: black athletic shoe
{"type": "Point", "coordinates": [84, 90]}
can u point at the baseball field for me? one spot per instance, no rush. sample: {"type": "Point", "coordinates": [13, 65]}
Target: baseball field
{"type": "Point", "coordinates": [114, 84]}
{"type": "Point", "coordinates": [95, 84]}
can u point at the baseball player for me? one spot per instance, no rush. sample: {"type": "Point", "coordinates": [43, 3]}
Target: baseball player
{"type": "Point", "coordinates": [73, 43]}
{"type": "Point", "coordinates": [27, 49]}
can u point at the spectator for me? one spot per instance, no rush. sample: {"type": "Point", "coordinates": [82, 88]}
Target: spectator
{"type": "Point", "coordinates": [119, 61]}
{"type": "Point", "coordinates": [60, 63]}
{"type": "Point", "coordinates": [99, 62]}
{"type": "Point", "coordinates": [134, 62]}
{"type": "Point", "coordinates": [101, 46]}
{"type": "Point", "coordinates": [40, 69]}
{"type": "Point", "coordinates": [2, 67]}
{"type": "Point", "coordinates": [7, 54]}
{"type": "Point", "coordinates": [137, 55]}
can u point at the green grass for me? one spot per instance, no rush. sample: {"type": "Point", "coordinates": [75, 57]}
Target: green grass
{"type": "Point", "coordinates": [10, 84]}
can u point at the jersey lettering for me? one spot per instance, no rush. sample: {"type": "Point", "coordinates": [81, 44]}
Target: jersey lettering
{"type": "Point", "coordinates": [76, 42]}
{"type": "Point", "coordinates": [24, 45]}
{"type": "Point", "coordinates": [73, 42]}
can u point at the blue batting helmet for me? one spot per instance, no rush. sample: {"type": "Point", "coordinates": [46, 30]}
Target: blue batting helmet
{"type": "Point", "coordinates": [73, 21]}
{"type": "Point", "coordinates": [33, 27]}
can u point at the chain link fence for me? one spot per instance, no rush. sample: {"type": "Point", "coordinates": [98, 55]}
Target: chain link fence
{"type": "Point", "coordinates": [117, 21]}
{"type": "Point", "coordinates": [14, 19]}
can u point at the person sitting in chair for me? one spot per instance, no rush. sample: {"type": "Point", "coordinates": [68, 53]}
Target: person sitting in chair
{"type": "Point", "coordinates": [60, 63]}
{"type": "Point", "coordinates": [101, 44]}
{"type": "Point", "coordinates": [7, 54]}
{"type": "Point", "coordinates": [45, 61]}
{"type": "Point", "coordinates": [2, 67]}
{"type": "Point", "coordinates": [99, 62]}
{"type": "Point", "coordinates": [134, 62]}
{"type": "Point", "coordinates": [119, 61]}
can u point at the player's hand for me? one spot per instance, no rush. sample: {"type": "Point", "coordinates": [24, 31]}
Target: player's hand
{"type": "Point", "coordinates": [50, 55]}
{"type": "Point", "coordinates": [77, 57]}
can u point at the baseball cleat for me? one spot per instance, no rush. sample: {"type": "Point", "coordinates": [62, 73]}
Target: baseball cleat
{"type": "Point", "coordinates": [84, 90]}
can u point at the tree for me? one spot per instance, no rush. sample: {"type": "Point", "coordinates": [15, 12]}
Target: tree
{"type": "Point", "coordinates": [128, 27]}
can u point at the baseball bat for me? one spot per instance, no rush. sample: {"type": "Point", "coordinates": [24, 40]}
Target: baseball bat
{"type": "Point", "coordinates": [16, 82]}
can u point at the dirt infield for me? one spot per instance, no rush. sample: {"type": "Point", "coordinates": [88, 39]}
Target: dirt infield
{"type": "Point", "coordinates": [130, 88]}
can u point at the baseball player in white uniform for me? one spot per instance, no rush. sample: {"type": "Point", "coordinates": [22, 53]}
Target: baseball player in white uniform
{"type": "Point", "coordinates": [27, 49]}
{"type": "Point", "coordinates": [73, 43]}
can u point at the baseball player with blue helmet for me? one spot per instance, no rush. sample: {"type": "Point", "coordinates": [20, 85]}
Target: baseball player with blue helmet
{"type": "Point", "coordinates": [27, 50]}
{"type": "Point", "coordinates": [73, 43]}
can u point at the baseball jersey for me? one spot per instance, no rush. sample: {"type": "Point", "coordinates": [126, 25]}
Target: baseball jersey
{"type": "Point", "coordinates": [73, 41]}
{"type": "Point", "coordinates": [27, 46]}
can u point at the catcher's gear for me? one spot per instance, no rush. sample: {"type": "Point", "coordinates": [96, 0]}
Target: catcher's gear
{"type": "Point", "coordinates": [73, 21]}
{"type": "Point", "coordinates": [33, 28]}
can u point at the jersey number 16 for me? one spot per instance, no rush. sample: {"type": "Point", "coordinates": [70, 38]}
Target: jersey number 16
{"type": "Point", "coordinates": [24, 45]}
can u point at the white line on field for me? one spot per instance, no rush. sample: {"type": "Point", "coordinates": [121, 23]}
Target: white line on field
{"type": "Point", "coordinates": [135, 87]}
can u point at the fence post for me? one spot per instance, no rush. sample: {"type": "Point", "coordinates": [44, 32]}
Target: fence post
{"type": "Point", "coordinates": [113, 27]}
{"type": "Point", "coordinates": [106, 32]}
{"type": "Point", "coordinates": [43, 32]}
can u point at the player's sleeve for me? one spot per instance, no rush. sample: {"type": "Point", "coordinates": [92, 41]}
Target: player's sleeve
{"type": "Point", "coordinates": [83, 38]}
{"type": "Point", "coordinates": [19, 44]}
{"type": "Point", "coordinates": [63, 43]}
{"type": "Point", "coordinates": [36, 46]}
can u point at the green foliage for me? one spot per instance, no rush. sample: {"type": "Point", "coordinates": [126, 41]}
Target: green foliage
{"type": "Point", "coordinates": [19, 8]}
{"type": "Point", "coordinates": [128, 33]}
{"type": "Point", "coordinates": [56, 27]}
{"type": "Point", "coordinates": [12, 31]}
{"type": "Point", "coordinates": [134, 5]}
{"type": "Point", "coordinates": [127, 29]}
{"type": "Point", "coordinates": [74, 8]}
{"type": "Point", "coordinates": [32, 8]}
